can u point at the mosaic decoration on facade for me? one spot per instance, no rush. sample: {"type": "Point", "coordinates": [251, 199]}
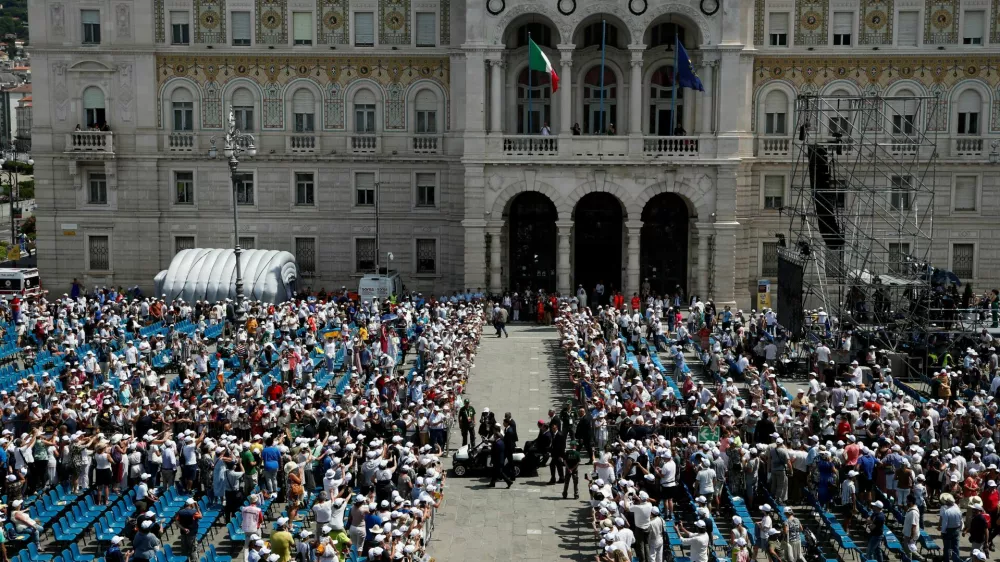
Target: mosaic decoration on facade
{"type": "Point", "coordinates": [209, 21]}
{"type": "Point", "coordinates": [876, 22]}
{"type": "Point", "coordinates": [941, 22]}
{"type": "Point", "coordinates": [332, 25]}
{"type": "Point", "coordinates": [810, 22]}
{"type": "Point", "coordinates": [331, 74]}
{"type": "Point", "coordinates": [758, 23]}
{"type": "Point", "coordinates": [159, 23]}
{"type": "Point", "coordinates": [394, 22]}
{"type": "Point", "coordinates": [445, 13]}
{"type": "Point", "coordinates": [272, 25]}
{"type": "Point", "coordinates": [995, 23]}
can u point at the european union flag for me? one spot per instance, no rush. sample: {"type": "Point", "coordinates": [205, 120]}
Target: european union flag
{"type": "Point", "coordinates": [684, 75]}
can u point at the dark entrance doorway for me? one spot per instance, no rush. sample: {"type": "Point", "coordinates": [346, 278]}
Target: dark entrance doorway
{"type": "Point", "coordinates": [663, 247]}
{"type": "Point", "coordinates": [598, 236]}
{"type": "Point", "coordinates": [532, 237]}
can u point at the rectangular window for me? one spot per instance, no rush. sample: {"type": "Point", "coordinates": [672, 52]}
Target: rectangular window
{"type": "Point", "coordinates": [778, 29]}
{"type": "Point", "coordinates": [248, 242]}
{"type": "Point", "coordinates": [769, 259]}
{"type": "Point", "coordinates": [97, 192]}
{"type": "Point", "coordinates": [966, 193]}
{"type": "Point", "coordinates": [839, 189]}
{"type": "Point", "coordinates": [183, 243]}
{"type": "Point", "coordinates": [180, 28]}
{"type": "Point", "coordinates": [426, 255]}
{"type": "Point", "coordinates": [902, 124]}
{"type": "Point", "coordinates": [244, 188]}
{"type": "Point", "coordinates": [183, 115]}
{"type": "Point", "coordinates": [426, 29]}
{"type": "Point", "coordinates": [898, 254]}
{"type": "Point", "coordinates": [304, 123]}
{"type": "Point", "coordinates": [973, 34]}
{"type": "Point", "coordinates": [963, 260]}
{"type": "Point", "coordinates": [364, 187]}
{"type": "Point", "coordinates": [364, 29]}
{"type": "Point", "coordinates": [364, 254]}
{"type": "Point", "coordinates": [774, 191]}
{"type": "Point", "coordinates": [99, 253]}
{"type": "Point", "coordinates": [908, 28]}
{"type": "Point", "coordinates": [91, 20]}
{"type": "Point", "coordinates": [426, 121]}
{"type": "Point", "coordinates": [184, 187]}
{"type": "Point", "coordinates": [839, 126]}
{"type": "Point", "coordinates": [774, 123]}
{"type": "Point", "coordinates": [305, 255]}
{"type": "Point", "coordinates": [302, 28]}
{"type": "Point", "coordinates": [244, 117]}
{"type": "Point", "coordinates": [426, 190]}
{"type": "Point", "coordinates": [305, 189]}
{"type": "Point", "coordinates": [364, 118]}
{"type": "Point", "coordinates": [843, 27]}
{"type": "Point", "coordinates": [241, 22]}
{"type": "Point", "coordinates": [968, 123]}
{"type": "Point", "coordinates": [901, 192]}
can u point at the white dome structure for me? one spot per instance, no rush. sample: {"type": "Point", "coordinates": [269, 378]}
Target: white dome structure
{"type": "Point", "coordinates": [210, 274]}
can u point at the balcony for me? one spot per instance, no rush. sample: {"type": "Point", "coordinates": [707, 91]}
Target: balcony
{"type": "Point", "coordinates": [678, 147]}
{"type": "Point", "coordinates": [95, 143]}
{"type": "Point", "coordinates": [966, 146]}
{"type": "Point", "coordinates": [904, 148]}
{"type": "Point", "coordinates": [771, 147]}
{"type": "Point", "coordinates": [181, 142]}
{"type": "Point", "coordinates": [523, 145]}
{"type": "Point", "coordinates": [365, 144]}
{"type": "Point", "coordinates": [302, 143]}
{"type": "Point", "coordinates": [426, 144]}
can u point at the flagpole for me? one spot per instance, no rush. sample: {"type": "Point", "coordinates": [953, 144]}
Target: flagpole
{"type": "Point", "coordinates": [673, 91]}
{"type": "Point", "coordinates": [604, 29]}
{"type": "Point", "coordinates": [530, 131]}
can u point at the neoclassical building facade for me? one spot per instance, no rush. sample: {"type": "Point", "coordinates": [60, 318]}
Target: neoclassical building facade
{"type": "Point", "coordinates": [483, 176]}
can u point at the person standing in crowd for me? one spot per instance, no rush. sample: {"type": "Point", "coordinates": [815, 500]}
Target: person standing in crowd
{"type": "Point", "coordinates": [467, 424]}
{"type": "Point", "coordinates": [951, 526]}
{"type": "Point", "coordinates": [572, 466]}
{"type": "Point", "coordinates": [557, 453]}
{"type": "Point", "coordinates": [498, 457]}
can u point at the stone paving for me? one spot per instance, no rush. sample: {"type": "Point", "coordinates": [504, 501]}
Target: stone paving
{"type": "Point", "coordinates": [524, 374]}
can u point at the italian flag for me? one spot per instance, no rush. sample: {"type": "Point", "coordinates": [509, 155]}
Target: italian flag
{"type": "Point", "coordinates": [538, 61]}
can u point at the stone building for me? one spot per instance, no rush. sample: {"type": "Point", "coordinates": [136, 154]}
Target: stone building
{"type": "Point", "coordinates": [429, 107]}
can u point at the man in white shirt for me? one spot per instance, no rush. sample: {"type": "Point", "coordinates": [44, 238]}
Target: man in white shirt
{"type": "Point", "coordinates": [857, 375]}
{"type": "Point", "coordinates": [642, 510]}
{"type": "Point", "coordinates": [822, 354]}
{"type": "Point", "coordinates": [698, 541]}
{"type": "Point", "coordinates": [911, 523]}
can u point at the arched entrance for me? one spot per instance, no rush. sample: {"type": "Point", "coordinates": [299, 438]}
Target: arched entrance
{"type": "Point", "coordinates": [532, 237]}
{"type": "Point", "coordinates": [597, 228]}
{"type": "Point", "coordinates": [663, 247]}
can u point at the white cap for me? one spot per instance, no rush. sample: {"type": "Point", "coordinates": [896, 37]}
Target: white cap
{"type": "Point", "coordinates": [117, 539]}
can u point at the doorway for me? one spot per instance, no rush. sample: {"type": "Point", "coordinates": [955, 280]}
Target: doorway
{"type": "Point", "coordinates": [597, 227]}
{"type": "Point", "coordinates": [532, 235]}
{"type": "Point", "coordinates": [663, 247]}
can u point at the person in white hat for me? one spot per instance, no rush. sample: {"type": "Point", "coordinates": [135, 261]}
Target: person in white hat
{"type": "Point", "coordinates": [699, 540]}
{"type": "Point", "coordinates": [875, 532]}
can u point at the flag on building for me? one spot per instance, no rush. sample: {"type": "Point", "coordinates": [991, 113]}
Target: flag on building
{"type": "Point", "coordinates": [538, 61]}
{"type": "Point", "coordinates": [684, 74]}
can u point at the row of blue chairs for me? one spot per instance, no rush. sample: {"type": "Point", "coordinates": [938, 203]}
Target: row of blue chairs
{"type": "Point", "coordinates": [113, 522]}
{"type": "Point", "coordinates": [926, 542]}
{"type": "Point", "coordinates": [79, 520]}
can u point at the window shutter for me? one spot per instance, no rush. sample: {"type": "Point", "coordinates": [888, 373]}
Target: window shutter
{"type": "Point", "coordinates": [974, 24]}
{"type": "Point", "coordinates": [241, 25]}
{"type": "Point", "coordinates": [908, 29]}
{"type": "Point", "coordinates": [303, 102]}
{"type": "Point", "coordinates": [965, 193]}
{"type": "Point", "coordinates": [242, 98]}
{"type": "Point", "coordinates": [181, 95]}
{"type": "Point", "coordinates": [178, 18]}
{"type": "Point", "coordinates": [302, 26]}
{"type": "Point", "coordinates": [426, 29]}
{"type": "Point", "coordinates": [364, 180]}
{"type": "Point", "coordinates": [774, 186]}
{"type": "Point", "coordinates": [776, 102]}
{"type": "Point", "coordinates": [364, 28]}
{"type": "Point", "coordinates": [364, 97]}
{"type": "Point", "coordinates": [779, 23]}
{"type": "Point", "coordinates": [90, 16]}
{"type": "Point", "coordinates": [426, 101]}
{"type": "Point", "coordinates": [969, 102]}
{"type": "Point", "coordinates": [842, 23]}
{"type": "Point", "coordinates": [93, 98]}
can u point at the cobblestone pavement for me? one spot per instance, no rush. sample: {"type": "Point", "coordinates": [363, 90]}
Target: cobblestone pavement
{"type": "Point", "coordinates": [525, 375]}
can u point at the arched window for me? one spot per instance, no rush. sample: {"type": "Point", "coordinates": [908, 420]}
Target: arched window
{"type": "Point", "coordinates": [243, 109]}
{"type": "Point", "coordinates": [903, 113]}
{"type": "Point", "coordinates": [304, 110]}
{"type": "Point", "coordinates": [661, 88]}
{"type": "Point", "coordinates": [93, 107]}
{"type": "Point", "coordinates": [425, 106]}
{"type": "Point", "coordinates": [593, 32]}
{"type": "Point", "coordinates": [600, 104]}
{"type": "Point", "coordinates": [182, 106]}
{"type": "Point", "coordinates": [775, 113]}
{"type": "Point", "coordinates": [364, 111]}
{"type": "Point", "coordinates": [970, 103]}
{"type": "Point", "coordinates": [534, 101]}
{"type": "Point", "coordinates": [540, 33]}
{"type": "Point", "coordinates": [664, 34]}
{"type": "Point", "coordinates": [839, 113]}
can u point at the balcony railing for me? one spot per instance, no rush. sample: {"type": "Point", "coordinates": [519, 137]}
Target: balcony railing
{"type": "Point", "coordinates": [90, 141]}
{"type": "Point", "coordinates": [530, 144]}
{"type": "Point", "coordinates": [182, 142]}
{"type": "Point", "coordinates": [671, 146]}
{"type": "Point", "coordinates": [303, 143]}
{"type": "Point", "coordinates": [774, 147]}
{"type": "Point", "coordinates": [904, 148]}
{"type": "Point", "coordinates": [967, 146]}
{"type": "Point", "coordinates": [364, 144]}
{"type": "Point", "coordinates": [426, 144]}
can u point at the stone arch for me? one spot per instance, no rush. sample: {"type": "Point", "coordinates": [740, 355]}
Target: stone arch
{"type": "Point", "coordinates": [508, 193]}
{"type": "Point", "coordinates": [626, 22]}
{"type": "Point", "coordinates": [167, 91]}
{"type": "Point", "coordinates": [850, 85]}
{"type": "Point", "coordinates": [544, 9]}
{"type": "Point", "coordinates": [411, 95]}
{"type": "Point", "coordinates": [687, 11]}
{"type": "Point", "coordinates": [695, 192]}
{"type": "Point", "coordinates": [760, 96]}
{"type": "Point", "coordinates": [620, 193]}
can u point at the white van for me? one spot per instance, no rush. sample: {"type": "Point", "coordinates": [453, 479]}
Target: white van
{"type": "Point", "coordinates": [380, 286]}
{"type": "Point", "coordinates": [19, 281]}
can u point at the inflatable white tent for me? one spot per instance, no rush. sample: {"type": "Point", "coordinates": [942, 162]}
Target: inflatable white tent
{"type": "Point", "coordinates": [210, 274]}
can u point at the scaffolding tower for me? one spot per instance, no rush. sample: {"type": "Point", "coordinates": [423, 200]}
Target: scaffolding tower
{"type": "Point", "coordinates": [861, 214]}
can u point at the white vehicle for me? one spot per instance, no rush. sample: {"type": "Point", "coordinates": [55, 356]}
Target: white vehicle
{"type": "Point", "coordinates": [380, 286]}
{"type": "Point", "coordinates": [19, 281]}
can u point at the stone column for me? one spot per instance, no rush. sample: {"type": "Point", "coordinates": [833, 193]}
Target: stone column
{"type": "Point", "coordinates": [563, 267]}
{"type": "Point", "coordinates": [496, 95]}
{"type": "Point", "coordinates": [493, 229]}
{"type": "Point", "coordinates": [475, 73]}
{"type": "Point", "coordinates": [565, 88]}
{"type": "Point", "coordinates": [706, 100]}
{"type": "Point", "coordinates": [635, 91]}
{"type": "Point", "coordinates": [704, 236]}
{"type": "Point", "coordinates": [475, 252]}
{"type": "Point", "coordinates": [724, 272]}
{"type": "Point", "coordinates": [632, 284]}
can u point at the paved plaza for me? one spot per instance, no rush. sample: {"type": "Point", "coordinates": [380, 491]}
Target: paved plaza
{"type": "Point", "coordinates": [525, 375]}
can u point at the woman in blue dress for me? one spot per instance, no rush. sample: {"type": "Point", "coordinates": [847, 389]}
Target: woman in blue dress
{"type": "Point", "coordinates": [827, 478]}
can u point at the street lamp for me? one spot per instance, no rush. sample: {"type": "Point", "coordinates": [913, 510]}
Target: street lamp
{"type": "Point", "coordinates": [995, 153]}
{"type": "Point", "coordinates": [237, 143]}
{"type": "Point", "coordinates": [12, 178]}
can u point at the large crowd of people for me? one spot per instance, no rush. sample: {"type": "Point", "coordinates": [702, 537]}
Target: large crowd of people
{"type": "Point", "coordinates": [305, 405]}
